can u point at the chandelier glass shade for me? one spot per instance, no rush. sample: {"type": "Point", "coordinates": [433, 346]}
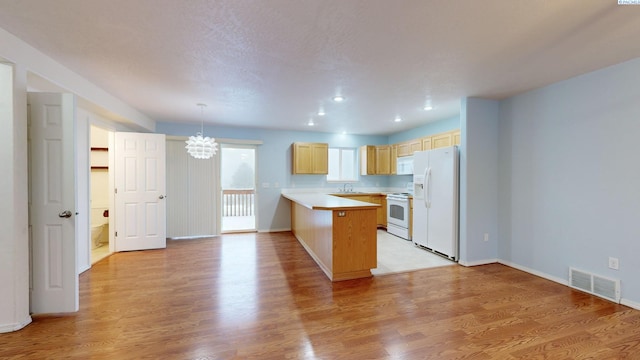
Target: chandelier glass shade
{"type": "Point", "coordinates": [201, 147]}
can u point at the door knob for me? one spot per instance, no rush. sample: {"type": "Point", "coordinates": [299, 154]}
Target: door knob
{"type": "Point", "coordinates": [161, 197]}
{"type": "Point", "coordinates": [65, 214]}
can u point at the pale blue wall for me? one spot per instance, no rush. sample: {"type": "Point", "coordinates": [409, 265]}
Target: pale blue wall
{"type": "Point", "coordinates": [274, 164]}
{"type": "Point", "coordinates": [426, 130]}
{"type": "Point", "coordinates": [569, 176]}
{"type": "Point", "coordinates": [478, 181]}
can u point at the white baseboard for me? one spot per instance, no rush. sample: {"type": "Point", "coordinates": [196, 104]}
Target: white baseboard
{"type": "Point", "coordinates": [83, 269]}
{"type": "Point", "coordinates": [565, 282]}
{"type": "Point", "coordinates": [631, 304]}
{"type": "Point", "coordinates": [5, 328]}
{"type": "Point", "coordinates": [273, 230]}
{"type": "Point", "coordinates": [194, 237]}
{"type": "Point", "coordinates": [535, 272]}
{"type": "Point", "coordinates": [477, 262]}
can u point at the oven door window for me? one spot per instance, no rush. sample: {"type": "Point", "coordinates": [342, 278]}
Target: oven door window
{"type": "Point", "coordinates": [396, 212]}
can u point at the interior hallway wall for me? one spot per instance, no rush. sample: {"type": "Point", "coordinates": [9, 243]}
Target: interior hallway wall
{"type": "Point", "coordinates": [14, 239]}
{"type": "Point", "coordinates": [478, 181]}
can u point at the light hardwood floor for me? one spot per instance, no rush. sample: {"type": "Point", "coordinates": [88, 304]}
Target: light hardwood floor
{"type": "Point", "coordinates": [260, 296]}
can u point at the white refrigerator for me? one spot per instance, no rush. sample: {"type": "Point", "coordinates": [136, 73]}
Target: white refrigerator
{"type": "Point", "coordinates": [435, 201]}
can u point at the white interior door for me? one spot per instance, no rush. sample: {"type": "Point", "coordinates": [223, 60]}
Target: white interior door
{"type": "Point", "coordinates": [140, 208]}
{"type": "Point", "coordinates": [53, 203]}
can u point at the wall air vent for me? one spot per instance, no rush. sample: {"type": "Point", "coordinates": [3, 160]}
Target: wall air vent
{"type": "Point", "coordinates": [596, 285]}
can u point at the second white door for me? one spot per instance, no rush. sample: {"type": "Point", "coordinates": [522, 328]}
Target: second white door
{"type": "Point", "coordinates": [140, 206]}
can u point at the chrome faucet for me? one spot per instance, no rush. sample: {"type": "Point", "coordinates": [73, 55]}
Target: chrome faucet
{"type": "Point", "coordinates": [344, 188]}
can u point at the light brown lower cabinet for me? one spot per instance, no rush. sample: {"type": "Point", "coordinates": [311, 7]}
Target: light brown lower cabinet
{"type": "Point", "coordinates": [380, 199]}
{"type": "Point", "coordinates": [341, 241]}
{"type": "Point", "coordinates": [381, 214]}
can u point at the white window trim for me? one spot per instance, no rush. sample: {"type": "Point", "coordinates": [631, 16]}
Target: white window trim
{"type": "Point", "coordinates": [355, 165]}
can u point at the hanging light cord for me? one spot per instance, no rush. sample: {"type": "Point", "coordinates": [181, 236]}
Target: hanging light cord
{"type": "Point", "coordinates": [202, 106]}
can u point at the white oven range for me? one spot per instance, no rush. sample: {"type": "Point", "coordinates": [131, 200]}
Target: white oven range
{"type": "Point", "coordinates": [398, 215]}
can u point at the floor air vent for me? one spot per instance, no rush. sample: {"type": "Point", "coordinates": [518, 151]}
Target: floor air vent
{"type": "Point", "coordinates": [594, 284]}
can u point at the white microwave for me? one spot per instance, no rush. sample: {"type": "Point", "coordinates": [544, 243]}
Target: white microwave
{"type": "Point", "coordinates": [404, 165]}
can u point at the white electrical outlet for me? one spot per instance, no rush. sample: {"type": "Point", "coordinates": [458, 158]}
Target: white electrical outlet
{"type": "Point", "coordinates": [614, 263]}
{"type": "Point", "coordinates": [486, 236]}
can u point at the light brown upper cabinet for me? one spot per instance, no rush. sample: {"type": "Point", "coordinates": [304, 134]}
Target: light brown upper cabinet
{"type": "Point", "coordinates": [456, 137]}
{"type": "Point", "coordinates": [394, 157]}
{"type": "Point", "coordinates": [375, 160]}
{"type": "Point", "coordinates": [310, 158]}
{"type": "Point", "coordinates": [441, 140]}
{"type": "Point", "coordinates": [426, 143]}
{"type": "Point", "coordinates": [367, 160]}
{"type": "Point", "coordinates": [415, 145]}
{"type": "Point", "coordinates": [403, 149]}
{"type": "Point", "coordinates": [409, 147]}
{"type": "Point", "coordinates": [383, 159]}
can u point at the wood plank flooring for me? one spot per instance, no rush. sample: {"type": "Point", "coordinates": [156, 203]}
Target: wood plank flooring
{"type": "Point", "coordinates": [260, 296]}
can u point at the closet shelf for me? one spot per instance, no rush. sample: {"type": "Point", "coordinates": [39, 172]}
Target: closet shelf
{"type": "Point", "coordinates": [99, 158]}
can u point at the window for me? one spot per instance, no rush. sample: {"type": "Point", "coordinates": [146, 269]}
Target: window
{"type": "Point", "coordinates": [343, 164]}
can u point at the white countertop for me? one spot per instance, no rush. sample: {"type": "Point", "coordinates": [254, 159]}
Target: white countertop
{"type": "Point", "coordinates": [318, 201]}
{"type": "Point", "coordinates": [337, 190]}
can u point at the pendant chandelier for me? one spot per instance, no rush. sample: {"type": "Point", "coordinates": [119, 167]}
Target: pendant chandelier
{"type": "Point", "coordinates": [201, 147]}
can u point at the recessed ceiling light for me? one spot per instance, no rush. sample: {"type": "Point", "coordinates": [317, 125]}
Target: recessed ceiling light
{"type": "Point", "coordinates": [397, 119]}
{"type": "Point", "coordinates": [321, 112]}
{"type": "Point", "coordinates": [310, 123]}
{"type": "Point", "coordinates": [427, 104]}
{"type": "Point", "coordinates": [338, 98]}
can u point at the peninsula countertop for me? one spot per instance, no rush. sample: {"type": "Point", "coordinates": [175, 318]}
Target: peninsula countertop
{"type": "Point", "coordinates": [317, 201]}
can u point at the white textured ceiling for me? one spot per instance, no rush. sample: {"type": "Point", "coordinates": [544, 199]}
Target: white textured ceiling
{"type": "Point", "coordinates": [273, 63]}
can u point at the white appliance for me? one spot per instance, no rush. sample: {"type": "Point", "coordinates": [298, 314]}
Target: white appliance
{"type": "Point", "coordinates": [398, 215]}
{"type": "Point", "coordinates": [435, 201]}
{"type": "Point", "coordinates": [404, 165]}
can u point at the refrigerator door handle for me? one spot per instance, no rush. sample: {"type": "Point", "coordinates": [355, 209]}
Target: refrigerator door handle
{"type": "Point", "coordinates": [427, 175]}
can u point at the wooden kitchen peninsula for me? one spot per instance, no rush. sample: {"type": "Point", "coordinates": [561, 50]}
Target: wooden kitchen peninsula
{"type": "Point", "coordinates": [338, 233]}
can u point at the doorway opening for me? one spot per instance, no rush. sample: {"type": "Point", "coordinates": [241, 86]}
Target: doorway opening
{"type": "Point", "coordinates": [238, 188]}
{"type": "Point", "coordinates": [99, 194]}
